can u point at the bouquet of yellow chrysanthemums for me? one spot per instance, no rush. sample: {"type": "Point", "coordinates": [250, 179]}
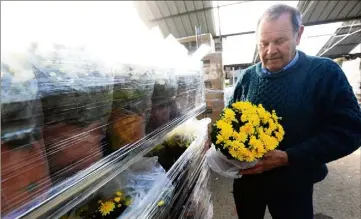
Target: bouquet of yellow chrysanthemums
{"type": "Point", "coordinates": [242, 135]}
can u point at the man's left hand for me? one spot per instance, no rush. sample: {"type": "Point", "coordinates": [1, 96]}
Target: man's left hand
{"type": "Point", "coordinates": [271, 160]}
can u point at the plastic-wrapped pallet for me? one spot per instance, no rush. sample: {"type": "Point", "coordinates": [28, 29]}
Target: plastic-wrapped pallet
{"type": "Point", "coordinates": [63, 111]}
{"type": "Point", "coordinates": [73, 115]}
{"type": "Point", "coordinates": [76, 93]}
{"type": "Point", "coordinates": [24, 165]}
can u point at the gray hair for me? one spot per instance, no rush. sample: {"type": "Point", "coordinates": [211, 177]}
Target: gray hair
{"type": "Point", "coordinates": [277, 10]}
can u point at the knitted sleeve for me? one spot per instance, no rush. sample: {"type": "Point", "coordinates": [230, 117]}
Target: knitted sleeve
{"type": "Point", "coordinates": [340, 132]}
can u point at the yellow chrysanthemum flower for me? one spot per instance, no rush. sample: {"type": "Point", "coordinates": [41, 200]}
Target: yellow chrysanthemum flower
{"type": "Point", "coordinates": [279, 136]}
{"type": "Point", "coordinates": [272, 125]}
{"type": "Point", "coordinates": [250, 157]}
{"type": "Point", "coordinates": [233, 152]}
{"type": "Point", "coordinates": [106, 207]}
{"type": "Point", "coordinates": [260, 130]}
{"type": "Point", "coordinates": [160, 203]}
{"type": "Point", "coordinates": [271, 143]}
{"type": "Point", "coordinates": [128, 202]}
{"type": "Point", "coordinates": [226, 132]}
{"type": "Point", "coordinates": [220, 139]}
{"type": "Point", "coordinates": [240, 136]}
{"type": "Point", "coordinates": [229, 115]}
{"type": "Point", "coordinates": [247, 129]}
{"type": "Point", "coordinates": [117, 199]}
{"type": "Point", "coordinates": [119, 193]}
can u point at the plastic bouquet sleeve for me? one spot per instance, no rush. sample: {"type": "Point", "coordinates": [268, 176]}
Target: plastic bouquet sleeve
{"type": "Point", "coordinates": [224, 166]}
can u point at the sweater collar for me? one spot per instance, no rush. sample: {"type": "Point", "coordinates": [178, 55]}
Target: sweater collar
{"type": "Point", "coordinates": [290, 64]}
{"type": "Point", "coordinates": [294, 64]}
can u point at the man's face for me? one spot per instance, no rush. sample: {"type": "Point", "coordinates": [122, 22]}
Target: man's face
{"type": "Point", "coordinates": [277, 42]}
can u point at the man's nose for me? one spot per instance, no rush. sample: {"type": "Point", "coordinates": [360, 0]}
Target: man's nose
{"type": "Point", "coordinates": [272, 49]}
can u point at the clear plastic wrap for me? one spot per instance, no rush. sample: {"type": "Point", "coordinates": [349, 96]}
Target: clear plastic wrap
{"type": "Point", "coordinates": [79, 118]}
{"type": "Point", "coordinates": [163, 99]}
{"type": "Point", "coordinates": [77, 95]}
{"type": "Point", "coordinates": [24, 166]}
{"type": "Point", "coordinates": [183, 174]}
{"type": "Point", "coordinates": [199, 203]}
{"type": "Point", "coordinates": [132, 104]}
{"type": "Point", "coordinates": [72, 112]}
{"type": "Point", "coordinates": [224, 166]}
{"type": "Point", "coordinates": [147, 191]}
{"type": "Point", "coordinates": [128, 192]}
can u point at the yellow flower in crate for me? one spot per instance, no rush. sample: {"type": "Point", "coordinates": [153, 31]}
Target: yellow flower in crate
{"type": "Point", "coordinates": [160, 203]}
{"type": "Point", "coordinates": [117, 199]}
{"type": "Point", "coordinates": [246, 131]}
{"type": "Point", "coordinates": [106, 207]}
{"type": "Point", "coordinates": [128, 202]}
{"type": "Point", "coordinates": [119, 193]}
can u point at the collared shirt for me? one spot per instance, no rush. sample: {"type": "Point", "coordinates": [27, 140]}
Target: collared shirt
{"type": "Point", "coordinates": [290, 64]}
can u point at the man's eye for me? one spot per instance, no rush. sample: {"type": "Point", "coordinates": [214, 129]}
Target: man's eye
{"type": "Point", "coordinates": [280, 41]}
{"type": "Point", "coordinates": [263, 44]}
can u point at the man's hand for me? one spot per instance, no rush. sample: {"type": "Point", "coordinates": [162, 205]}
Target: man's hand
{"type": "Point", "coordinates": [271, 160]}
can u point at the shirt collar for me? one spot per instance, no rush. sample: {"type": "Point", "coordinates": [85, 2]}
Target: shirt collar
{"type": "Point", "coordinates": [289, 65]}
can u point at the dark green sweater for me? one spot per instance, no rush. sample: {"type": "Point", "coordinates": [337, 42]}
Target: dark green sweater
{"type": "Point", "coordinates": [320, 113]}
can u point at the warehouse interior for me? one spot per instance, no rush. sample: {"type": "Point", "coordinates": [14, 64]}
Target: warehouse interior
{"type": "Point", "coordinates": [107, 107]}
{"type": "Point", "coordinates": [332, 28]}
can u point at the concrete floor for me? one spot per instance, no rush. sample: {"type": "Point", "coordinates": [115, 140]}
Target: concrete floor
{"type": "Point", "coordinates": [337, 197]}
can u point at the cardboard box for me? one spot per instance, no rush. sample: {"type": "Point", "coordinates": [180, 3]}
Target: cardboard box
{"type": "Point", "coordinates": [213, 74]}
{"type": "Point", "coordinates": [214, 94]}
{"type": "Point", "coordinates": [215, 57]}
{"type": "Point", "coordinates": [214, 84]}
{"type": "Point", "coordinates": [214, 116]}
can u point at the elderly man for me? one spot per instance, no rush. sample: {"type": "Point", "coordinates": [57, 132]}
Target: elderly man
{"type": "Point", "coordinates": [320, 115]}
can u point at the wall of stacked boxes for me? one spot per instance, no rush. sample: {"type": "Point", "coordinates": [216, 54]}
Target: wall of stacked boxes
{"type": "Point", "coordinates": [213, 76]}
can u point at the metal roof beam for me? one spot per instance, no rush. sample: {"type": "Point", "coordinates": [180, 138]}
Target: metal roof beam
{"type": "Point", "coordinates": [197, 10]}
{"type": "Point", "coordinates": [309, 24]}
{"type": "Point", "coordinates": [332, 21]}
{"type": "Point", "coordinates": [347, 56]}
{"type": "Point", "coordinates": [183, 13]}
{"type": "Point", "coordinates": [234, 34]}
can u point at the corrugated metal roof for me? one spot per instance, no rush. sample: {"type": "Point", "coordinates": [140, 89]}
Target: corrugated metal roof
{"type": "Point", "coordinates": [178, 18]}
{"type": "Point", "coordinates": [346, 38]}
{"type": "Point", "coordinates": [320, 12]}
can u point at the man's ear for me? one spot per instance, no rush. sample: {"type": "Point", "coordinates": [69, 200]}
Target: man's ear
{"type": "Point", "coordinates": [299, 34]}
